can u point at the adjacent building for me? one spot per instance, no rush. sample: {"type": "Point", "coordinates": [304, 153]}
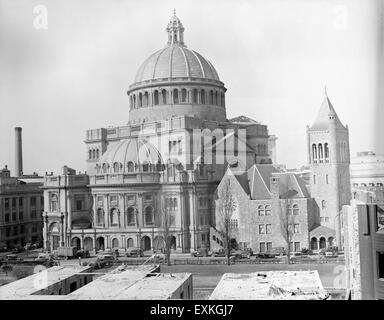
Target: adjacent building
{"type": "Point", "coordinates": [21, 204]}
{"type": "Point", "coordinates": [363, 226]}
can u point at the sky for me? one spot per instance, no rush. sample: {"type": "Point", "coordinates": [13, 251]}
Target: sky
{"type": "Point", "coordinates": [274, 56]}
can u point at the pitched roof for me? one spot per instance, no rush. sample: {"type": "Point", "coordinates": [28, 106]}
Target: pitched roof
{"type": "Point", "coordinates": [243, 119]}
{"type": "Point", "coordinates": [326, 116]}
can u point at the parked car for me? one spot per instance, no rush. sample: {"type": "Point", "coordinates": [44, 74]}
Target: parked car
{"type": "Point", "coordinates": [82, 254]}
{"type": "Point", "coordinates": [134, 252]}
{"type": "Point", "coordinates": [332, 252]}
{"type": "Point", "coordinates": [12, 257]}
{"type": "Point", "coordinates": [241, 254]}
{"type": "Point", "coordinates": [218, 253]}
{"type": "Point", "coordinates": [42, 257]}
{"type": "Point", "coordinates": [201, 252]}
{"type": "Point", "coordinates": [107, 258]}
{"type": "Point", "coordinates": [306, 251]}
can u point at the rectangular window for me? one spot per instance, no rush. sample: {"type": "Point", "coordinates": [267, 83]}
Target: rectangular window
{"type": "Point", "coordinates": [15, 231]}
{"type": "Point", "coordinates": [22, 229]}
{"type": "Point", "coordinates": [8, 232]}
{"type": "Point", "coordinates": [114, 200]}
{"type": "Point", "coordinates": [314, 179]}
{"type": "Point", "coordinates": [296, 228]}
{"type": "Point", "coordinates": [268, 228]}
{"type": "Point", "coordinates": [33, 214]}
{"type": "Point", "coordinates": [21, 215]}
{"type": "Point", "coordinates": [261, 229]}
{"type": "Point", "coordinates": [13, 203]}
{"type": "Point", "coordinates": [100, 201]}
{"type": "Point", "coordinates": [33, 201]}
{"type": "Point", "coordinates": [34, 228]}
{"type": "Point", "coordinates": [203, 237]}
{"type": "Point", "coordinates": [297, 246]}
{"type": "Point", "coordinates": [20, 202]}
{"type": "Point", "coordinates": [13, 216]}
{"type": "Point", "coordinates": [6, 217]}
{"type": "Point", "coordinates": [148, 197]}
{"type": "Point", "coordinates": [380, 218]}
{"type": "Point", "coordinates": [6, 203]}
{"type": "Point", "coordinates": [262, 246]}
{"type": "Point", "coordinates": [79, 204]}
{"type": "Point", "coordinates": [269, 246]}
{"type": "Point", "coordinates": [131, 198]}
{"type": "Point", "coordinates": [380, 265]}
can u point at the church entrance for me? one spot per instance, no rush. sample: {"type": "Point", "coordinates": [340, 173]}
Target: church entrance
{"type": "Point", "coordinates": [76, 243]}
{"type": "Point", "coordinates": [145, 243]}
{"type": "Point", "coordinates": [323, 243]}
{"type": "Point", "coordinates": [100, 243]}
{"type": "Point", "coordinates": [88, 244]}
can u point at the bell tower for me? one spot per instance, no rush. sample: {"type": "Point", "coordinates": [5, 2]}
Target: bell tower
{"type": "Point", "coordinates": [329, 160]}
{"type": "Point", "coordinates": [175, 31]}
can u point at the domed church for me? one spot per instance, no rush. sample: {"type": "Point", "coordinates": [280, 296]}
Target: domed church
{"type": "Point", "coordinates": [172, 153]}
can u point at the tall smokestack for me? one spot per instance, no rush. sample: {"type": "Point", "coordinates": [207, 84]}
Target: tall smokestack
{"type": "Point", "coordinates": [18, 152]}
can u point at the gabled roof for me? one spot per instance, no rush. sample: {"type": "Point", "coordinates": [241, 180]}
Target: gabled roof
{"type": "Point", "coordinates": [259, 180]}
{"type": "Point", "coordinates": [326, 116]}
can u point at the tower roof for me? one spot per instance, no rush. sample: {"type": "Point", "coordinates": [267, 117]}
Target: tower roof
{"type": "Point", "coordinates": [326, 116]}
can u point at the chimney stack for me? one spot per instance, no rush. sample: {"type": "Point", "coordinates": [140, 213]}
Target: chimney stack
{"type": "Point", "coordinates": [18, 153]}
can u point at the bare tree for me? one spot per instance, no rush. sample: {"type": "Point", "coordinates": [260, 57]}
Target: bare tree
{"type": "Point", "coordinates": [286, 225]}
{"type": "Point", "coordinates": [167, 221]}
{"type": "Point", "coordinates": [226, 207]}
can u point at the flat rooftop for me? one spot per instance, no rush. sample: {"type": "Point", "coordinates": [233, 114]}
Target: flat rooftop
{"type": "Point", "coordinates": [270, 285]}
{"type": "Point", "coordinates": [26, 287]}
{"type": "Point", "coordinates": [160, 286]}
{"type": "Point", "coordinates": [113, 284]}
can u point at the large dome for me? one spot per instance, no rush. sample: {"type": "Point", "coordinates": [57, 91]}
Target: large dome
{"type": "Point", "coordinates": [176, 81]}
{"type": "Point", "coordinates": [176, 61]}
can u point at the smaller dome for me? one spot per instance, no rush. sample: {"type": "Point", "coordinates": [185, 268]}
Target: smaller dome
{"type": "Point", "coordinates": [135, 150]}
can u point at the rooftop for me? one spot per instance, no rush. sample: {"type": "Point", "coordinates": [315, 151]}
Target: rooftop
{"type": "Point", "coordinates": [270, 285]}
{"type": "Point", "coordinates": [28, 286]}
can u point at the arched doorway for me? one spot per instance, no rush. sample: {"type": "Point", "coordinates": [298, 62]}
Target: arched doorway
{"type": "Point", "coordinates": [100, 243]}
{"type": "Point", "coordinates": [115, 243]}
{"type": "Point", "coordinates": [158, 243]}
{"type": "Point", "coordinates": [145, 243]}
{"type": "Point", "coordinates": [55, 235]}
{"type": "Point", "coordinates": [172, 244]}
{"type": "Point", "coordinates": [130, 243]}
{"type": "Point", "coordinates": [331, 241]}
{"type": "Point", "coordinates": [323, 243]}
{"type": "Point", "coordinates": [88, 244]}
{"type": "Point", "coordinates": [314, 244]}
{"type": "Point", "coordinates": [76, 243]}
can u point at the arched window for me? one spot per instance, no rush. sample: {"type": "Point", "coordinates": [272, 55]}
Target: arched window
{"type": "Point", "coordinates": [202, 96]}
{"type": "Point", "coordinates": [164, 96]}
{"type": "Point", "coordinates": [145, 166]}
{"type": "Point", "coordinates": [140, 99]}
{"type": "Point", "coordinates": [145, 103]}
{"type": "Point", "coordinates": [130, 243]}
{"type": "Point", "coordinates": [323, 204]}
{"type": "Point", "coordinates": [260, 210]}
{"type": "Point", "coordinates": [326, 152]}
{"type": "Point", "coordinates": [211, 97]}
{"type": "Point", "coordinates": [100, 216]}
{"type": "Point", "coordinates": [104, 168]}
{"type": "Point", "coordinates": [116, 167]}
{"type": "Point", "coordinates": [115, 243]}
{"type": "Point", "coordinates": [54, 202]}
{"type": "Point", "coordinates": [97, 153]}
{"type": "Point", "coordinates": [195, 95]}
{"type": "Point", "coordinates": [267, 210]}
{"type": "Point", "coordinates": [320, 153]}
{"type": "Point", "coordinates": [222, 99]}
{"type": "Point", "coordinates": [114, 216]}
{"type": "Point", "coordinates": [93, 154]}
{"type": "Point", "coordinates": [216, 101]}
{"type": "Point", "coordinates": [134, 101]}
{"type": "Point", "coordinates": [90, 155]}
{"type": "Point", "coordinates": [156, 98]}
{"type": "Point", "coordinates": [149, 218]}
{"type": "Point", "coordinates": [130, 217]}
{"type": "Point", "coordinates": [295, 209]}
{"type": "Point", "coordinates": [175, 96]}
{"type": "Point", "coordinates": [184, 95]}
{"type": "Point", "coordinates": [130, 166]}
{"type": "Point", "coordinates": [314, 153]}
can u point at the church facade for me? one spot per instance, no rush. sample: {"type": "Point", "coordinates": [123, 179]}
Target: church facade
{"type": "Point", "coordinates": [174, 149]}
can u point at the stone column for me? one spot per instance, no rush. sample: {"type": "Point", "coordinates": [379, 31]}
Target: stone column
{"type": "Point", "coordinates": [122, 209]}
{"type": "Point", "coordinates": [106, 213]}
{"type": "Point", "coordinates": [94, 224]}
{"type": "Point", "coordinates": [140, 221]}
{"type": "Point", "coordinates": [192, 220]}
